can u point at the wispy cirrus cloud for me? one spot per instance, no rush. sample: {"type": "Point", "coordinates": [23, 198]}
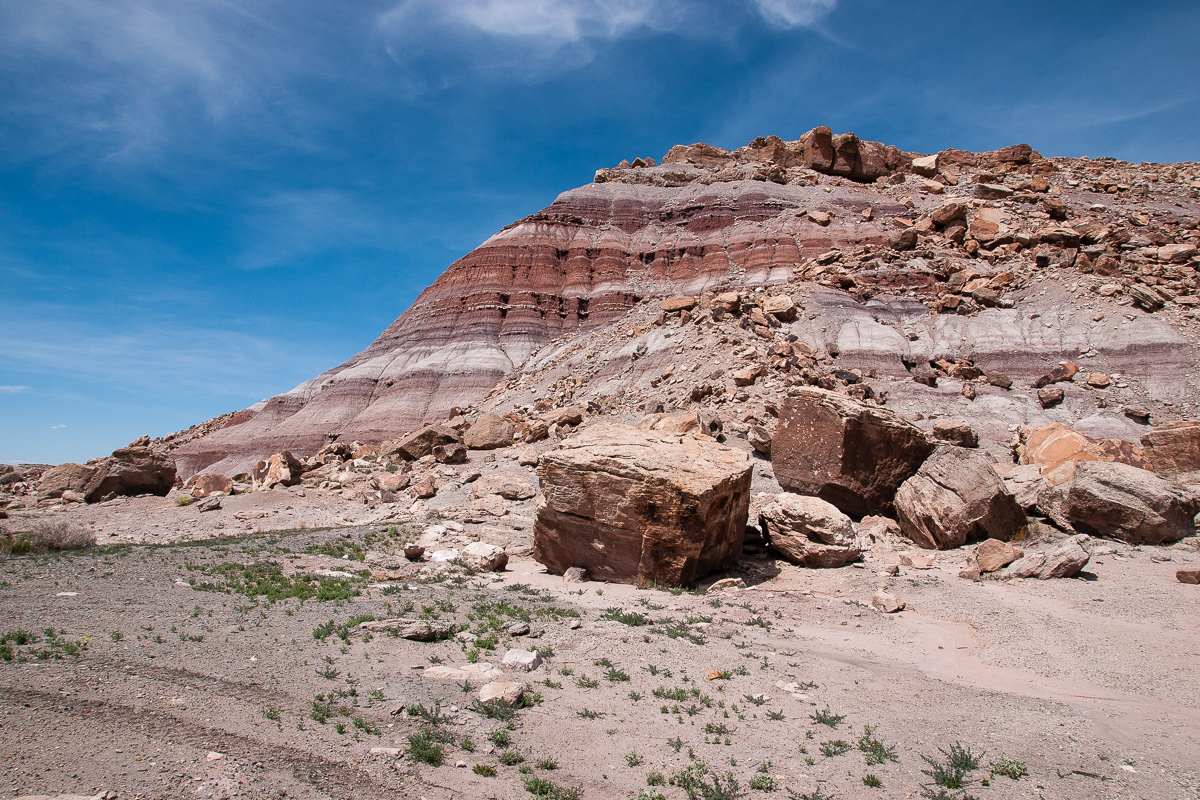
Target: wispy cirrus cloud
{"type": "Point", "coordinates": [13, 389]}
{"type": "Point", "coordinates": [438, 43]}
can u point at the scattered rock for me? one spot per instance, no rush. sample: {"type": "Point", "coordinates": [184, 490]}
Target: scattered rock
{"type": "Point", "coordinates": [65, 478]}
{"type": "Point", "coordinates": [1123, 502]}
{"type": "Point", "coordinates": [426, 487]}
{"type": "Point", "coordinates": [209, 504]}
{"type": "Point", "coordinates": [420, 443]}
{"type": "Point", "coordinates": [413, 552]}
{"type": "Point", "coordinates": [726, 583]}
{"type": "Point", "coordinates": [1173, 449]}
{"type": "Point", "coordinates": [955, 431]}
{"type": "Point", "coordinates": [508, 691]}
{"type": "Point", "coordinates": [672, 304]}
{"type": "Point", "coordinates": [454, 453]}
{"type": "Point", "coordinates": [492, 504]}
{"type": "Point", "coordinates": [992, 555]}
{"type": "Point", "coordinates": [1188, 575]}
{"type": "Point", "coordinates": [527, 660]}
{"type": "Point", "coordinates": [207, 483]}
{"type": "Point", "coordinates": [518, 629]}
{"type": "Point", "coordinates": [1065, 561]}
{"type": "Point", "coordinates": [509, 485]}
{"type": "Point", "coordinates": [484, 557]}
{"type": "Point", "coordinates": [576, 575]}
{"type": "Point", "coordinates": [281, 469]}
{"type": "Point", "coordinates": [489, 432]}
{"type": "Point", "coordinates": [809, 531]}
{"type": "Point", "coordinates": [1137, 413]}
{"type": "Point", "coordinates": [131, 471]}
{"type": "Point", "coordinates": [781, 307]}
{"type": "Point", "coordinates": [887, 602]}
{"type": "Point", "coordinates": [1050, 396]}
{"type": "Point", "coordinates": [631, 505]}
{"type": "Point", "coordinates": [418, 630]}
{"type": "Point", "coordinates": [760, 439]}
{"type": "Point", "coordinates": [1056, 449]}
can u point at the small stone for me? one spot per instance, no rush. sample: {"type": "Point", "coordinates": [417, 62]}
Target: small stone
{"type": "Point", "coordinates": [518, 629]}
{"type": "Point", "coordinates": [1050, 396]}
{"type": "Point", "coordinates": [1098, 380]}
{"type": "Point", "coordinates": [213, 755]}
{"type": "Point", "coordinates": [1191, 575]}
{"type": "Point", "coordinates": [508, 691]}
{"type": "Point", "coordinates": [527, 660]}
{"type": "Point", "coordinates": [460, 764]}
{"type": "Point", "coordinates": [413, 552]}
{"type": "Point", "coordinates": [819, 217]}
{"type": "Point", "coordinates": [1137, 413]}
{"type": "Point", "coordinates": [727, 583]}
{"type": "Point", "coordinates": [484, 557]}
{"type": "Point", "coordinates": [575, 575]}
{"type": "Point", "coordinates": [971, 574]}
{"type": "Point", "coordinates": [575, 624]}
{"type": "Point", "coordinates": [955, 431]}
{"type": "Point", "coordinates": [886, 602]}
{"type": "Point", "coordinates": [999, 380]}
{"type": "Point", "coordinates": [391, 752]}
{"type": "Point", "coordinates": [992, 555]}
{"type": "Point", "coordinates": [916, 561]}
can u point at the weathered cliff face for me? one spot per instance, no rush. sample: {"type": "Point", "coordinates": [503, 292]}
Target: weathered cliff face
{"type": "Point", "coordinates": [911, 236]}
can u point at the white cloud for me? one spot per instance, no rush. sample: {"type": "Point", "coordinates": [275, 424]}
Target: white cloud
{"type": "Point", "coordinates": [795, 13]}
{"type": "Point", "coordinates": [57, 427]}
{"type": "Point", "coordinates": [13, 389]}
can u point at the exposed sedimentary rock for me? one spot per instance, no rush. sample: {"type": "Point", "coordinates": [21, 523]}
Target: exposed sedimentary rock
{"type": "Point", "coordinates": [846, 452]}
{"type": "Point", "coordinates": [809, 531]}
{"type": "Point", "coordinates": [992, 555]}
{"type": "Point", "coordinates": [630, 505]}
{"type": "Point", "coordinates": [1134, 505]}
{"type": "Point", "coordinates": [1064, 561]}
{"type": "Point", "coordinates": [1056, 449]}
{"type": "Point", "coordinates": [1173, 449]}
{"type": "Point", "coordinates": [420, 443]}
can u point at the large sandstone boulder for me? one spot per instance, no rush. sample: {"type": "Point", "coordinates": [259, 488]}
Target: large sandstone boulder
{"type": "Point", "coordinates": [809, 531]}
{"type": "Point", "coordinates": [281, 469]}
{"type": "Point", "coordinates": [65, 478]}
{"type": "Point", "coordinates": [420, 443]}
{"type": "Point", "coordinates": [488, 433]}
{"type": "Point", "coordinates": [1134, 505]}
{"type": "Point", "coordinates": [1056, 449]}
{"type": "Point", "coordinates": [131, 471]}
{"type": "Point", "coordinates": [955, 497]}
{"type": "Point", "coordinates": [1173, 449]}
{"type": "Point", "coordinates": [846, 452]}
{"type": "Point", "coordinates": [630, 505]}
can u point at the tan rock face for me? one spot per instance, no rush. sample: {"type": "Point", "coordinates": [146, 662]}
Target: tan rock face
{"type": "Point", "coordinates": [809, 531]}
{"type": "Point", "coordinates": [848, 453]}
{"type": "Point", "coordinates": [65, 478]}
{"type": "Point", "coordinates": [1134, 505]}
{"type": "Point", "coordinates": [956, 496]}
{"type": "Point", "coordinates": [488, 433]}
{"type": "Point", "coordinates": [631, 505]}
{"type": "Point", "coordinates": [992, 555]}
{"type": "Point", "coordinates": [207, 483]}
{"type": "Point", "coordinates": [1056, 449]}
{"type": "Point", "coordinates": [1173, 449]}
{"type": "Point", "coordinates": [509, 485]}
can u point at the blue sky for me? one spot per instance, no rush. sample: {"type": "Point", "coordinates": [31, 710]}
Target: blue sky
{"type": "Point", "coordinates": [205, 203]}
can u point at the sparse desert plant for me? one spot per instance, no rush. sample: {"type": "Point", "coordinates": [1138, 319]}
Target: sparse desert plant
{"type": "Point", "coordinates": [763, 783]}
{"type": "Point", "coordinates": [184, 500]}
{"type": "Point", "coordinates": [548, 764]}
{"type": "Point", "coordinates": [511, 757]}
{"type": "Point", "coordinates": [500, 738]}
{"type": "Point", "coordinates": [835, 747]}
{"type": "Point", "coordinates": [1009, 768]}
{"type": "Point", "coordinates": [486, 770]}
{"type": "Point", "coordinates": [816, 794]}
{"type": "Point", "coordinates": [424, 746]}
{"type": "Point", "coordinates": [696, 781]}
{"type": "Point", "coordinates": [827, 717]}
{"type": "Point", "coordinates": [633, 759]}
{"type": "Point", "coordinates": [872, 781]}
{"type": "Point", "coordinates": [542, 788]}
{"type": "Point", "coordinates": [876, 751]}
{"type": "Point", "coordinates": [953, 770]}
{"type": "Point", "coordinates": [655, 778]}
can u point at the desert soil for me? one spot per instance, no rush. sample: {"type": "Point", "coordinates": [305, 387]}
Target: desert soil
{"type": "Point", "coordinates": [187, 690]}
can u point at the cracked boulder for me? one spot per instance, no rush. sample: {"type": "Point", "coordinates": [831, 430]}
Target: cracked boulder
{"type": "Point", "coordinates": [809, 531]}
{"type": "Point", "coordinates": [1119, 501]}
{"type": "Point", "coordinates": [955, 497]}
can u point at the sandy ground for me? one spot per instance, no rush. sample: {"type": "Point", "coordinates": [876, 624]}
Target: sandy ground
{"type": "Point", "coordinates": [187, 692]}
